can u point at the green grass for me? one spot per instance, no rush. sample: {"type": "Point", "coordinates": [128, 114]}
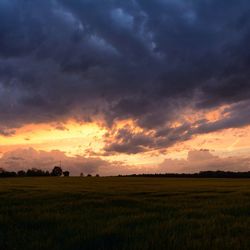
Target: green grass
{"type": "Point", "coordinates": [124, 213]}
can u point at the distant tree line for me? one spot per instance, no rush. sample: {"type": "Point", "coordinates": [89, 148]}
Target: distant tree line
{"type": "Point", "coordinates": [57, 171]}
{"type": "Point", "coordinates": [202, 174]}
{"type": "Point", "coordinates": [34, 172]}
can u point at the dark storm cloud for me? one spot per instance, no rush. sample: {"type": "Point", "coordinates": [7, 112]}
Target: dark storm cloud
{"type": "Point", "coordinates": [144, 60]}
{"type": "Point", "coordinates": [235, 117]}
{"type": "Point", "coordinates": [126, 140]}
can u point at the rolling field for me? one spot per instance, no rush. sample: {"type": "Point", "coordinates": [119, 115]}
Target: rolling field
{"type": "Point", "coordinates": [124, 213]}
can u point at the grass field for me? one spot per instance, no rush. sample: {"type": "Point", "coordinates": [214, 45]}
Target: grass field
{"type": "Point", "coordinates": [124, 213]}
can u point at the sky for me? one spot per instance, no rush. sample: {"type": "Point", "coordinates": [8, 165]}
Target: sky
{"type": "Point", "coordinates": [121, 87]}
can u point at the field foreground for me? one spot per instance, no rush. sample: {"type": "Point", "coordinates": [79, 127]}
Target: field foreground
{"type": "Point", "coordinates": [124, 213]}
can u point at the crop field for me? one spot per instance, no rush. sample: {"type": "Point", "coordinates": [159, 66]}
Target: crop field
{"type": "Point", "coordinates": [124, 213]}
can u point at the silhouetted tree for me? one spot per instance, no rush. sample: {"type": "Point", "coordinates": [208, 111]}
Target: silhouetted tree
{"type": "Point", "coordinates": [4, 173]}
{"type": "Point", "coordinates": [66, 173]}
{"type": "Point", "coordinates": [30, 172]}
{"type": "Point", "coordinates": [47, 173]}
{"type": "Point", "coordinates": [36, 172]}
{"type": "Point", "coordinates": [21, 173]}
{"type": "Point", "coordinates": [81, 174]}
{"type": "Point", "coordinates": [57, 171]}
{"type": "Point", "coordinates": [89, 175]}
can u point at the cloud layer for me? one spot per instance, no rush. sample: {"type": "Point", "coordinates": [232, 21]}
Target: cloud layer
{"type": "Point", "coordinates": [203, 160]}
{"type": "Point", "coordinates": [149, 61]}
{"type": "Point", "coordinates": [30, 158]}
{"type": "Point", "coordinates": [197, 160]}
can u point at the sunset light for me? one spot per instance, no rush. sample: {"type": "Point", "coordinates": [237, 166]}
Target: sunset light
{"type": "Point", "coordinates": [124, 124]}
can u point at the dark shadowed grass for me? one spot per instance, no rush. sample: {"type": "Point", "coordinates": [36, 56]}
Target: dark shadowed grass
{"type": "Point", "coordinates": [124, 213]}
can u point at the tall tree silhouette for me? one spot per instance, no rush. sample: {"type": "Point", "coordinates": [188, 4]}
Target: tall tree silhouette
{"type": "Point", "coordinates": [57, 171]}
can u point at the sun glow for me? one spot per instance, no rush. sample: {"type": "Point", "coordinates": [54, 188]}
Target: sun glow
{"type": "Point", "coordinates": [72, 138]}
{"type": "Point", "coordinates": [88, 140]}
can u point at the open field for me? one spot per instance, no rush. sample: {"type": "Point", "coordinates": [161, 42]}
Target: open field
{"type": "Point", "coordinates": [124, 213]}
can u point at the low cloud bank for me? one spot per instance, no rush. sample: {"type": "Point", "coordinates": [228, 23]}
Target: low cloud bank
{"type": "Point", "coordinates": [203, 160]}
{"type": "Point", "coordinates": [197, 160]}
{"type": "Point", "coordinates": [31, 158]}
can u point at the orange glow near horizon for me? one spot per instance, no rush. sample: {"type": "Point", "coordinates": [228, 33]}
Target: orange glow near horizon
{"type": "Point", "coordinates": [73, 139]}
{"type": "Point", "coordinates": [83, 139]}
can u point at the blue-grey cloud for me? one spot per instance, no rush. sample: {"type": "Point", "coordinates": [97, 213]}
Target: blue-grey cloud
{"type": "Point", "coordinates": [136, 59]}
